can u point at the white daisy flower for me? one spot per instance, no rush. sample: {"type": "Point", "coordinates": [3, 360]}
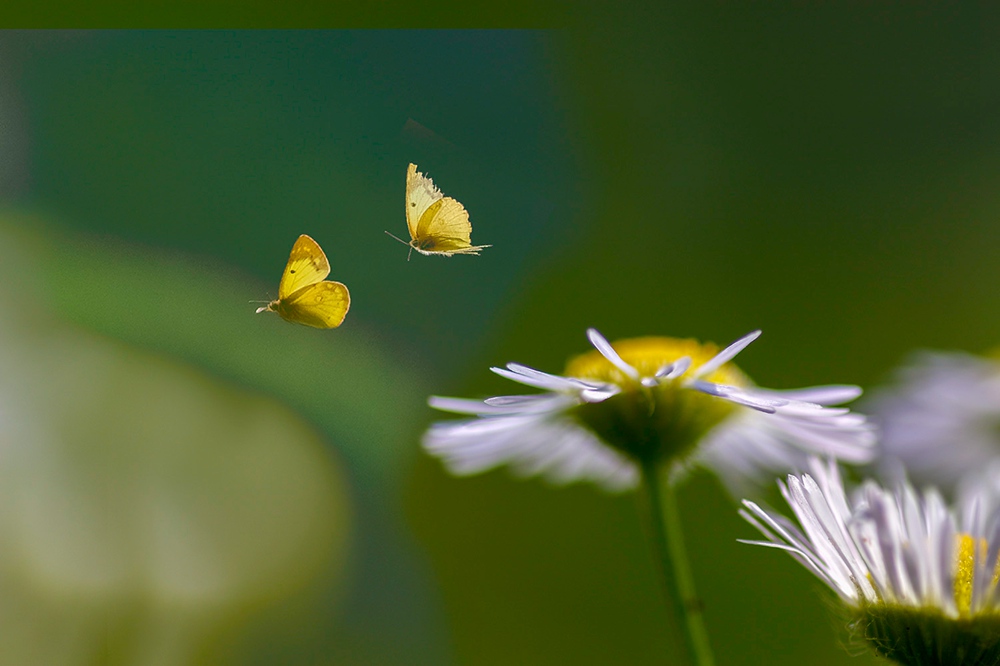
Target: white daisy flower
{"type": "Point", "coordinates": [941, 420]}
{"type": "Point", "coordinates": [919, 578]}
{"type": "Point", "coordinates": [650, 400]}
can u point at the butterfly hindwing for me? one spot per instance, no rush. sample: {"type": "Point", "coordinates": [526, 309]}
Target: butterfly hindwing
{"type": "Point", "coordinates": [445, 227]}
{"type": "Point", "coordinates": [307, 264]}
{"type": "Point", "coordinates": [320, 305]}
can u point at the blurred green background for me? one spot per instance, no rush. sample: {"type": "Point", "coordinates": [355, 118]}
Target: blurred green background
{"type": "Point", "coordinates": [187, 483]}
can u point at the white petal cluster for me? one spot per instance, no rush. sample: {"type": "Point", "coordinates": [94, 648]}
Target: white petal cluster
{"type": "Point", "coordinates": [535, 434]}
{"type": "Point", "coordinates": [941, 419]}
{"type": "Point", "coordinates": [751, 447]}
{"type": "Point", "coordinates": [531, 433]}
{"type": "Point", "coordinates": [885, 547]}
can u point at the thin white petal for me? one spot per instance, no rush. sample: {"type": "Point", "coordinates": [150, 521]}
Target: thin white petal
{"type": "Point", "coordinates": [599, 395]}
{"type": "Point", "coordinates": [603, 346]}
{"type": "Point", "coordinates": [675, 369]}
{"type": "Point", "coordinates": [726, 355]}
{"type": "Point", "coordinates": [738, 395]}
{"type": "Point", "coordinates": [520, 404]}
{"type": "Point", "coordinates": [543, 380]}
{"type": "Point", "coordinates": [458, 405]}
{"type": "Point", "coordinates": [833, 394]}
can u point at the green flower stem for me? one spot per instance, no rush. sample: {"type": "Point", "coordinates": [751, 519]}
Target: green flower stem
{"type": "Point", "coordinates": [678, 584]}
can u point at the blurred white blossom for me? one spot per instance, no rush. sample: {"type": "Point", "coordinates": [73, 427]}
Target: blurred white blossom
{"type": "Point", "coordinates": [940, 420]}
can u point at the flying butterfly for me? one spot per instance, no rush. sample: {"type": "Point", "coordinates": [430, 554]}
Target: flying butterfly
{"type": "Point", "coordinates": [437, 224]}
{"type": "Point", "coordinates": [303, 295]}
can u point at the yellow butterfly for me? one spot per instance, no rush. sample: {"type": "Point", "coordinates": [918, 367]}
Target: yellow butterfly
{"type": "Point", "coordinates": [303, 296]}
{"type": "Point", "coordinates": [437, 224]}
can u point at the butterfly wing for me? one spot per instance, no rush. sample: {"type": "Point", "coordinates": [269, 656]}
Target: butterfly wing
{"type": "Point", "coordinates": [421, 193]}
{"type": "Point", "coordinates": [320, 305]}
{"type": "Point", "coordinates": [307, 265]}
{"type": "Point", "coordinates": [445, 229]}
{"type": "Point", "coordinates": [444, 223]}
{"type": "Point", "coordinates": [437, 224]}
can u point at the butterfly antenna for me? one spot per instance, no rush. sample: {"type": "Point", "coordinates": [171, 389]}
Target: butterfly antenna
{"type": "Point", "coordinates": [403, 242]}
{"type": "Point", "coordinates": [267, 302]}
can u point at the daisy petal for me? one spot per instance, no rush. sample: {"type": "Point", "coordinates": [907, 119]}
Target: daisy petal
{"type": "Point", "coordinates": [726, 355]}
{"type": "Point", "coordinates": [543, 380]}
{"type": "Point", "coordinates": [675, 369]}
{"type": "Point", "coordinates": [603, 346]}
{"type": "Point", "coordinates": [738, 395]}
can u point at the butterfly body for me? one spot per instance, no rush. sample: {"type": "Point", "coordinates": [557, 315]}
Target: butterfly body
{"type": "Point", "coordinates": [438, 225]}
{"type": "Point", "coordinates": [304, 297]}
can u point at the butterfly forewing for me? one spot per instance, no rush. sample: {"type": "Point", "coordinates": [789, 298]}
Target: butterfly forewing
{"type": "Point", "coordinates": [307, 265]}
{"type": "Point", "coordinates": [421, 193]}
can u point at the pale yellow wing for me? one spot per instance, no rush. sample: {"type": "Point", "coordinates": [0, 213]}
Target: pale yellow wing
{"type": "Point", "coordinates": [321, 305]}
{"type": "Point", "coordinates": [437, 224]}
{"type": "Point", "coordinates": [445, 229]}
{"type": "Point", "coordinates": [446, 220]}
{"type": "Point", "coordinates": [421, 193]}
{"type": "Point", "coordinates": [306, 265]}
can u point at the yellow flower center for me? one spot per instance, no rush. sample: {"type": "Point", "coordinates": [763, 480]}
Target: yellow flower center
{"type": "Point", "coordinates": [647, 355]}
{"type": "Point", "coordinates": [908, 634]}
{"type": "Point", "coordinates": [965, 571]}
{"type": "Point", "coordinates": [653, 424]}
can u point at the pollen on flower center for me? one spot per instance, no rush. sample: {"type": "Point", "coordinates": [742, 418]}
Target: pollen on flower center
{"type": "Point", "coordinates": [649, 354]}
{"type": "Point", "coordinates": [966, 557]}
{"type": "Point", "coordinates": [964, 572]}
{"type": "Point", "coordinates": [906, 633]}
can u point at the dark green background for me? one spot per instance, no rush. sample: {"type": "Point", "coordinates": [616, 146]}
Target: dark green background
{"type": "Point", "coordinates": [825, 174]}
